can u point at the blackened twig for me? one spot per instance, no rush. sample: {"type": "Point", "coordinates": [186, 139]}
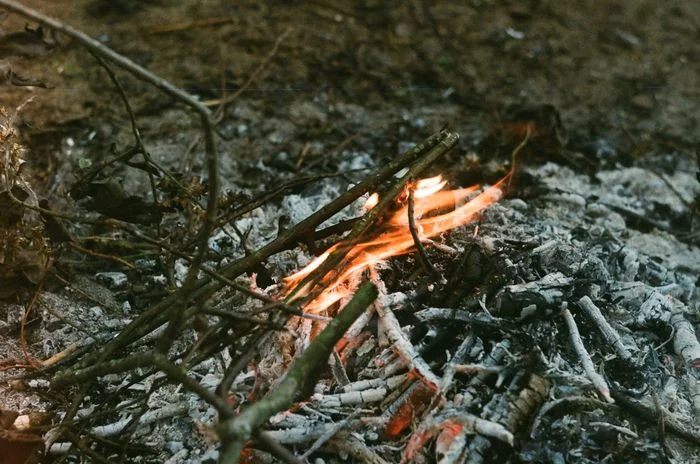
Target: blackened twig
{"type": "Point", "coordinates": [651, 414]}
{"type": "Point", "coordinates": [156, 315]}
{"type": "Point", "coordinates": [423, 154]}
{"type": "Point", "coordinates": [611, 336]}
{"type": "Point", "coordinates": [422, 255]}
{"type": "Point", "coordinates": [134, 128]}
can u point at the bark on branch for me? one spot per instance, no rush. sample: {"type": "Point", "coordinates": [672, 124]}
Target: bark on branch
{"type": "Point", "coordinates": [298, 381]}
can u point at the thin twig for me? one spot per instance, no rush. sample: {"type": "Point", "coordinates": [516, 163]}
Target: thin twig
{"type": "Point", "coordinates": [236, 367]}
{"type": "Point", "coordinates": [176, 314]}
{"type": "Point", "coordinates": [27, 311]}
{"type": "Point", "coordinates": [298, 381]}
{"type": "Point", "coordinates": [423, 256]}
{"type": "Point", "coordinates": [279, 451]}
{"type": "Point", "coordinates": [426, 152]}
{"type": "Point", "coordinates": [98, 48]}
{"type": "Point", "coordinates": [134, 128]}
{"type": "Point", "coordinates": [390, 327]}
{"type": "Point", "coordinates": [598, 381]}
{"type": "Point", "coordinates": [320, 441]}
{"type": "Point", "coordinates": [156, 315]}
{"type": "Point", "coordinates": [653, 415]}
{"type": "Point", "coordinates": [609, 333]}
{"type": "Point", "coordinates": [224, 102]}
{"type": "Point", "coordinates": [97, 254]}
{"type": "Point", "coordinates": [183, 26]}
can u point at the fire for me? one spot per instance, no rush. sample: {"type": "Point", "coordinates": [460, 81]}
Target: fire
{"type": "Point", "coordinates": [435, 211]}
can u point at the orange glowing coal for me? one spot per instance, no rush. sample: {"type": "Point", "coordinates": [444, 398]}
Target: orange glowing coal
{"type": "Point", "coordinates": [435, 211]}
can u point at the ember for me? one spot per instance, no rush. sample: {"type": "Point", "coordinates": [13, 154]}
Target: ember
{"type": "Point", "coordinates": [435, 211]}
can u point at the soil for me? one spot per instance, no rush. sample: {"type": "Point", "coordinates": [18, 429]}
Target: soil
{"type": "Point", "coordinates": [598, 85]}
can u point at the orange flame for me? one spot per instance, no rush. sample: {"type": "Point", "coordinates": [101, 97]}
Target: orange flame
{"type": "Point", "coordinates": [394, 236]}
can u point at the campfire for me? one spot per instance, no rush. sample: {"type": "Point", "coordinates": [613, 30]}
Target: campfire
{"type": "Point", "coordinates": [259, 267]}
{"type": "Point", "coordinates": [422, 211]}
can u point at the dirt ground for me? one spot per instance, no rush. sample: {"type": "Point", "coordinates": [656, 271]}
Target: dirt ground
{"type": "Point", "coordinates": [607, 84]}
{"type": "Point", "coordinates": [622, 76]}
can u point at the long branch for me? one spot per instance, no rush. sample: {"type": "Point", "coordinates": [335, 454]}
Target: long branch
{"type": "Point", "coordinates": [109, 54]}
{"type": "Point", "coordinates": [428, 154]}
{"type": "Point", "coordinates": [157, 314]}
{"type": "Point", "coordinates": [299, 380]}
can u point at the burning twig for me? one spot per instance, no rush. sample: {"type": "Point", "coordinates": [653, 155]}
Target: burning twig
{"type": "Point", "coordinates": [598, 381]}
{"type": "Point", "coordinates": [452, 436]}
{"type": "Point", "coordinates": [609, 333]}
{"type": "Point", "coordinates": [300, 378]}
{"type": "Point", "coordinates": [460, 421]}
{"type": "Point", "coordinates": [315, 279]}
{"type": "Point", "coordinates": [425, 261]}
{"type": "Point", "coordinates": [336, 272]}
{"type": "Point", "coordinates": [158, 314]}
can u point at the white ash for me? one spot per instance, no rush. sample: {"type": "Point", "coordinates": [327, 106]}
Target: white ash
{"type": "Point", "coordinates": [181, 269]}
{"type": "Point", "coordinates": [356, 161]}
{"type": "Point", "coordinates": [635, 188]}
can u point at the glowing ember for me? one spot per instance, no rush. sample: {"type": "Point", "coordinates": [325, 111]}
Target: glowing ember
{"type": "Point", "coordinates": [393, 237]}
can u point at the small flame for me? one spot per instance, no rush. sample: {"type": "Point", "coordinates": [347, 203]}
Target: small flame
{"type": "Point", "coordinates": [394, 236]}
{"type": "Point", "coordinates": [426, 187]}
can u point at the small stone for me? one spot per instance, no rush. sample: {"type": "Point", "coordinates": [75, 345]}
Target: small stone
{"type": "Point", "coordinates": [112, 279]}
{"type": "Point", "coordinates": [174, 446]}
{"type": "Point", "coordinates": [96, 312]}
{"type": "Point", "coordinates": [275, 138]}
{"type": "Point", "coordinates": [39, 383]}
